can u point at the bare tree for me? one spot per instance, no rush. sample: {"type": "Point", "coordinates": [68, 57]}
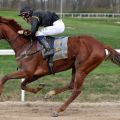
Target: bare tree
{"type": "Point", "coordinates": [68, 5]}
{"type": "Point", "coordinates": [4, 3]}
{"type": "Point", "coordinates": [117, 6]}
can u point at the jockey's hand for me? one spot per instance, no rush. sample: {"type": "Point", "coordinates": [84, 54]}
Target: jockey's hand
{"type": "Point", "coordinates": [20, 32]}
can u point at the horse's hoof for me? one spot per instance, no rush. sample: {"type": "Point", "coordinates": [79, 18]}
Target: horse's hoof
{"type": "Point", "coordinates": [55, 114]}
{"type": "Point", "coordinates": [49, 95]}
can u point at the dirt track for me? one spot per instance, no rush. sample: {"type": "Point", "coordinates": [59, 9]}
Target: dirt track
{"type": "Point", "coordinates": [43, 110]}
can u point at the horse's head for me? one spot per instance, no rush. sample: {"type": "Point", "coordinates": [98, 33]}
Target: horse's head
{"type": "Point", "coordinates": [1, 35]}
{"type": "Point", "coordinates": [1, 30]}
{"type": "Point", "coordinates": [8, 27]}
{"type": "Point", "coordinates": [8, 32]}
{"type": "Point", "coordinates": [4, 28]}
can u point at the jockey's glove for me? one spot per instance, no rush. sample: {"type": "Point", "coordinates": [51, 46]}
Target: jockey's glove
{"type": "Point", "coordinates": [20, 32]}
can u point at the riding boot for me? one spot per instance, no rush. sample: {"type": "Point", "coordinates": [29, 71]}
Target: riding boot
{"type": "Point", "coordinates": [48, 50]}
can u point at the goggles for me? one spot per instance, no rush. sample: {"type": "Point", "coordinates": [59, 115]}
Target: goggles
{"type": "Point", "coordinates": [25, 14]}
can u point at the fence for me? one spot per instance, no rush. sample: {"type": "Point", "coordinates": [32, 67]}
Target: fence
{"type": "Point", "coordinates": [11, 52]}
{"type": "Point", "coordinates": [91, 15]}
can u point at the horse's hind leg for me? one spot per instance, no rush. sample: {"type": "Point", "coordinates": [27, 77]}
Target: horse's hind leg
{"type": "Point", "coordinates": [81, 72]}
{"type": "Point", "coordinates": [60, 90]}
{"type": "Point", "coordinates": [14, 75]}
{"type": "Point", "coordinates": [79, 77]}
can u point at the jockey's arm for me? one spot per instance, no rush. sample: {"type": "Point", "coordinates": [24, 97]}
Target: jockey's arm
{"type": "Point", "coordinates": [34, 26]}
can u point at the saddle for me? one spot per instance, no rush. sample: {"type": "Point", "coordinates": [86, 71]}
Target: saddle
{"type": "Point", "coordinates": [59, 45]}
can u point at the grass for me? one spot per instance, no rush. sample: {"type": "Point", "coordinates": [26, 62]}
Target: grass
{"type": "Point", "coordinates": [102, 84]}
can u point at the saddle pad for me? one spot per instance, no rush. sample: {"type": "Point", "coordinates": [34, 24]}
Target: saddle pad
{"type": "Point", "coordinates": [59, 45]}
{"type": "Point", "coordinates": [61, 48]}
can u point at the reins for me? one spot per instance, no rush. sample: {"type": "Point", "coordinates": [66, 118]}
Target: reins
{"type": "Point", "coordinates": [26, 53]}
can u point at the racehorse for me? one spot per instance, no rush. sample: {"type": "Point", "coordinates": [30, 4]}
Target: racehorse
{"type": "Point", "coordinates": [85, 53]}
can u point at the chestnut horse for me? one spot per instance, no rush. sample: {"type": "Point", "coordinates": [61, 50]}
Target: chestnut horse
{"type": "Point", "coordinates": [85, 53]}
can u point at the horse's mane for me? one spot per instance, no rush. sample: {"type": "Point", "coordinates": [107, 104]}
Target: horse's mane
{"type": "Point", "coordinates": [11, 23]}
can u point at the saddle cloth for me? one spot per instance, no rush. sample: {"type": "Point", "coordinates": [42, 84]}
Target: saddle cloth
{"type": "Point", "coordinates": [60, 47]}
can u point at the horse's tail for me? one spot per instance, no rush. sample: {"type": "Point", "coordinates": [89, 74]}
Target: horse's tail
{"type": "Point", "coordinates": [113, 55]}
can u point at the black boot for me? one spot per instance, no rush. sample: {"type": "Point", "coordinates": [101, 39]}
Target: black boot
{"type": "Point", "coordinates": [48, 50]}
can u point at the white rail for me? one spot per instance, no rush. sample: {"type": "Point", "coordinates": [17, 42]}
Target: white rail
{"type": "Point", "coordinates": [7, 52]}
{"type": "Point", "coordinates": [90, 15]}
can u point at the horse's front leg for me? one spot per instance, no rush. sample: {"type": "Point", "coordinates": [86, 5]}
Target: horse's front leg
{"type": "Point", "coordinates": [14, 75]}
{"type": "Point", "coordinates": [29, 80]}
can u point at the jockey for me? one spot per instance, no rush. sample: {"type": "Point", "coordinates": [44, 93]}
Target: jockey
{"type": "Point", "coordinates": [50, 21]}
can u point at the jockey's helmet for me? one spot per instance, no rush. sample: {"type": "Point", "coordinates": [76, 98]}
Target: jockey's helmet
{"type": "Point", "coordinates": [26, 11]}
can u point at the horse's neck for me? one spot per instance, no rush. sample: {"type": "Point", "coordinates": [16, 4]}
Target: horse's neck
{"type": "Point", "coordinates": [16, 42]}
{"type": "Point", "coordinates": [19, 44]}
{"type": "Point", "coordinates": [22, 44]}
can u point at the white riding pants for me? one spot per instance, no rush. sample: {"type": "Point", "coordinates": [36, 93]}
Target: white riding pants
{"type": "Point", "coordinates": [57, 28]}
